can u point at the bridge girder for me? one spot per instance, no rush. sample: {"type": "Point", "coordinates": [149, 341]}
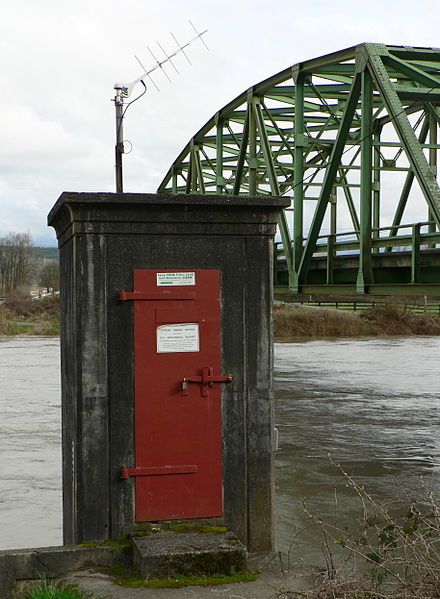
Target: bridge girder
{"type": "Point", "coordinates": [327, 132]}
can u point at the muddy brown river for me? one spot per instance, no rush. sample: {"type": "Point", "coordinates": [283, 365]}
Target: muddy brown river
{"type": "Point", "coordinates": [372, 405]}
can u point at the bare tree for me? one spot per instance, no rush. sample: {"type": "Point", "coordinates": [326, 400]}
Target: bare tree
{"type": "Point", "coordinates": [49, 277]}
{"type": "Point", "coordinates": [16, 261]}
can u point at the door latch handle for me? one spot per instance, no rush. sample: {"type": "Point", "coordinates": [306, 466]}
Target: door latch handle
{"type": "Point", "coordinates": [206, 380]}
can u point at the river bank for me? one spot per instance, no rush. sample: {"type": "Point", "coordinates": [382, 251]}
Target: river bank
{"type": "Point", "coordinates": [301, 321]}
{"type": "Point", "coordinates": [22, 316]}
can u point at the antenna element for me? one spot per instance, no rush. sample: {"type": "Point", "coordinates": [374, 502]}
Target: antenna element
{"type": "Point", "coordinates": [124, 91]}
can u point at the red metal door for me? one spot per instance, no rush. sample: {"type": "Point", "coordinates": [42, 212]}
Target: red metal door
{"type": "Point", "coordinates": [177, 398]}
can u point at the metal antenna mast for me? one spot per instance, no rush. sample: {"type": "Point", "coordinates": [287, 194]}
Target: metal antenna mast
{"type": "Point", "coordinates": [124, 91]}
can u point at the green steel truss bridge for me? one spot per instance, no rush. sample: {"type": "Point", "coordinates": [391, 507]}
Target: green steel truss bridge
{"type": "Point", "coordinates": [352, 139]}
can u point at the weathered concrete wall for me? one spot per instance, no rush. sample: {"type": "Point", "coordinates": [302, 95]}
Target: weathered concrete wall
{"type": "Point", "coordinates": [102, 238]}
{"type": "Point", "coordinates": [27, 564]}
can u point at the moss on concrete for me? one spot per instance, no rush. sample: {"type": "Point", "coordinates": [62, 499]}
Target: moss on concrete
{"type": "Point", "coordinates": [195, 528]}
{"type": "Point", "coordinates": [128, 578]}
{"type": "Point", "coordinates": [122, 542]}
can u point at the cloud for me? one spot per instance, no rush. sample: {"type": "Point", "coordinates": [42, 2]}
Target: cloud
{"type": "Point", "coordinates": [60, 61]}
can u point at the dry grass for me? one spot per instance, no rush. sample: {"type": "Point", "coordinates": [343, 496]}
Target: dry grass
{"type": "Point", "coordinates": [292, 321]}
{"type": "Point", "coordinates": [28, 308]}
{"type": "Point", "coordinates": [7, 326]}
{"type": "Point", "coordinates": [295, 321]}
{"type": "Point", "coordinates": [390, 319]}
{"type": "Point", "coordinates": [23, 316]}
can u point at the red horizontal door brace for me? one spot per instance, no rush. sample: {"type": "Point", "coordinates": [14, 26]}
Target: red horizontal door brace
{"type": "Point", "coordinates": [166, 294]}
{"type": "Point", "coordinates": [125, 472]}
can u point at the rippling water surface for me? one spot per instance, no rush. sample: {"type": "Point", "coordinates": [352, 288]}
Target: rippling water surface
{"type": "Point", "coordinates": [30, 442]}
{"type": "Point", "coordinates": [373, 404]}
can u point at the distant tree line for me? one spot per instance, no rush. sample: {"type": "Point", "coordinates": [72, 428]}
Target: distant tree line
{"type": "Point", "coordinates": [20, 268]}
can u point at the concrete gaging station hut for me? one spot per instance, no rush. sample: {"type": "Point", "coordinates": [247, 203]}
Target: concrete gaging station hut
{"type": "Point", "coordinates": [166, 362]}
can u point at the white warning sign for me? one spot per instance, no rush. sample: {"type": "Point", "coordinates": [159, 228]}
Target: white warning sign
{"type": "Point", "coordinates": [182, 337]}
{"type": "Point", "coordinates": [169, 279]}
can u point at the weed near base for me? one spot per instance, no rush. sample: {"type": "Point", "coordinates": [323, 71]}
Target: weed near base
{"type": "Point", "coordinates": [52, 590]}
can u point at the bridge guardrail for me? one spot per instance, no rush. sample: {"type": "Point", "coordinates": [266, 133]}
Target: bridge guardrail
{"type": "Point", "coordinates": [354, 306]}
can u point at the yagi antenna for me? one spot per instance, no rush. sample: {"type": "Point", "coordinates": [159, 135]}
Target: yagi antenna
{"type": "Point", "coordinates": [124, 91]}
{"type": "Point", "coordinates": [150, 78]}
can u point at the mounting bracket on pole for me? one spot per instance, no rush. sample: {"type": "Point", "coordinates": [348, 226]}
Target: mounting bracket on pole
{"type": "Point", "coordinates": [124, 91]}
{"type": "Point", "coordinates": [119, 147]}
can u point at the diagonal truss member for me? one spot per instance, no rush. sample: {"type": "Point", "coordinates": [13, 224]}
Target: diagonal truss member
{"type": "Point", "coordinates": [351, 137]}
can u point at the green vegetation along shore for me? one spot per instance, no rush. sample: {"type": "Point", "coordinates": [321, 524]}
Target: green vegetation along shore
{"type": "Point", "coordinates": [23, 316]}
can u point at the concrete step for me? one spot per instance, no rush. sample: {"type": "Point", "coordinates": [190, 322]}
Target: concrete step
{"type": "Point", "coordinates": [169, 553]}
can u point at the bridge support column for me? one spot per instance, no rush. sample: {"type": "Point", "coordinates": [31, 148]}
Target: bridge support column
{"type": "Point", "coordinates": [365, 272]}
{"type": "Point", "coordinates": [298, 175]}
{"type": "Point", "coordinates": [415, 254]}
{"type": "Point", "coordinates": [433, 165]}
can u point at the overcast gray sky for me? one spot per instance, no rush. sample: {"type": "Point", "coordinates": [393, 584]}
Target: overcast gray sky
{"type": "Point", "coordinates": [60, 60]}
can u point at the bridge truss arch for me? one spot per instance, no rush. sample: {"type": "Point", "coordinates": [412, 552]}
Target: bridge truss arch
{"type": "Point", "coordinates": [352, 138]}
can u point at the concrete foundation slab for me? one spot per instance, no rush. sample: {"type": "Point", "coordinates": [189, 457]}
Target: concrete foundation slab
{"type": "Point", "coordinates": [272, 582]}
{"type": "Point", "coordinates": [168, 553]}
